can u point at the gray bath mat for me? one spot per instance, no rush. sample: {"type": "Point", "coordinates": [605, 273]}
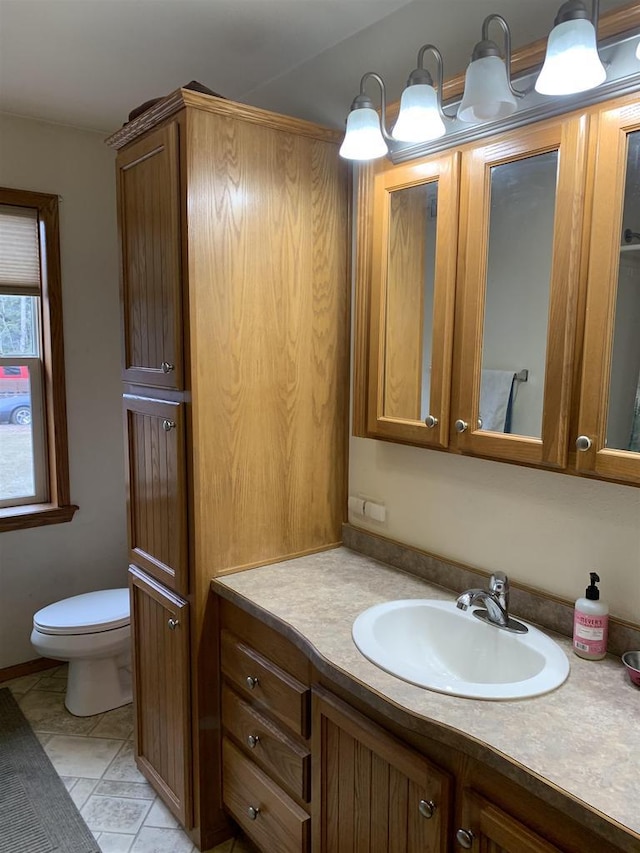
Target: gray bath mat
{"type": "Point", "coordinates": [37, 815]}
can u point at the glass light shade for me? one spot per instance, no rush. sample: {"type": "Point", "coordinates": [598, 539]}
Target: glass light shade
{"type": "Point", "coordinates": [363, 139]}
{"type": "Point", "coordinates": [572, 63]}
{"type": "Point", "coordinates": [487, 95]}
{"type": "Point", "coordinates": [419, 118]}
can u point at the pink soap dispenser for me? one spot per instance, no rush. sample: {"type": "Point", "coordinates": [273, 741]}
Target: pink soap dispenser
{"type": "Point", "coordinates": [591, 623]}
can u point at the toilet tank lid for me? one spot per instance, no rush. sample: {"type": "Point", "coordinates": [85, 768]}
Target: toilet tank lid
{"type": "Point", "coordinates": [89, 613]}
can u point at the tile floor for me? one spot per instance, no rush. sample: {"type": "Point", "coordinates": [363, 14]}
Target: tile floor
{"type": "Point", "coordinates": [94, 758]}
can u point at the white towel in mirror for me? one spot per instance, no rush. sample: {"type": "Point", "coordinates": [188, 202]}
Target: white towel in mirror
{"type": "Point", "coordinates": [495, 394]}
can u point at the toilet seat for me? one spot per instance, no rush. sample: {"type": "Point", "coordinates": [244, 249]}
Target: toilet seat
{"type": "Point", "coordinates": [90, 613]}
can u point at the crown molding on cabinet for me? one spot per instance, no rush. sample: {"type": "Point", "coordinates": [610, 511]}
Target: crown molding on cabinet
{"type": "Point", "coordinates": [181, 98]}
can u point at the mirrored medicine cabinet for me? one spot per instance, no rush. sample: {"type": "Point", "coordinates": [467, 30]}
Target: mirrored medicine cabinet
{"type": "Point", "coordinates": [498, 296]}
{"type": "Point", "coordinates": [609, 413]}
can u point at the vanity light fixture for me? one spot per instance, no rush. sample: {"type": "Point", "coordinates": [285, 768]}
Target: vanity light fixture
{"type": "Point", "coordinates": [421, 117]}
{"type": "Point", "coordinates": [488, 91]}
{"type": "Point", "coordinates": [366, 134]}
{"type": "Point", "coordinates": [572, 63]}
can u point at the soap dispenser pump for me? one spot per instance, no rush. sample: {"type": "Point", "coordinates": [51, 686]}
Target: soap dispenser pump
{"type": "Point", "coordinates": [591, 623]}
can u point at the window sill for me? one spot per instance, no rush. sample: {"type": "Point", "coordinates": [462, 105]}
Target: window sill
{"type": "Point", "coordinates": [34, 515]}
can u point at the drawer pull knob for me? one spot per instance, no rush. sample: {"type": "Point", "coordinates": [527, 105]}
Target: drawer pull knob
{"type": "Point", "coordinates": [252, 740]}
{"type": "Point", "coordinates": [431, 421]}
{"type": "Point", "coordinates": [465, 837]}
{"type": "Point", "coordinates": [253, 812]}
{"type": "Point", "coordinates": [168, 425]}
{"type": "Point", "coordinates": [167, 367]}
{"type": "Point", "coordinates": [426, 808]}
{"type": "Point", "coordinates": [252, 682]}
{"type": "Point", "coordinates": [173, 624]}
{"type": "Point", "coordinates": [460, 425]}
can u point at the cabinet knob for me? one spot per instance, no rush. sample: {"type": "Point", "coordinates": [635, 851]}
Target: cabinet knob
{"type": "Point", "coordinates": [167, 367]}
{"type": "Point", "coordinates": [460, 425]}
{"type": "Point", "coordinates": [253, 812]}
{"type": "Point", "coordinates": [431, 421]}
{"type": "Point", "coordinates": [173, 624]}
{"type": "Point", "coordinates": [426, 808]}
{"type": "Point", "coordinates": [168, 425]}
{"type": "Point", "coordinates": [465, 837]}
{"type": "Point", "coordinates": [252, 740]}
{"type": "Point", "coordinates": [251, 682]}
{"type": "Point", "coordinates": [583, 442]}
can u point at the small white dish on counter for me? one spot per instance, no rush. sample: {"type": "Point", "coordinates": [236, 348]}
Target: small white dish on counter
{"type": "Point", "coordinates": [436, 645]}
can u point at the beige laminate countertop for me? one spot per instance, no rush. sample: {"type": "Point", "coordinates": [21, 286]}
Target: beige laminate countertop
{"type": "Point", "coordinates": [583, 738]}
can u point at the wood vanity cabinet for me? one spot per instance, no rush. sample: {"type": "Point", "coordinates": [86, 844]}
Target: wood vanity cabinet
{"type": "Point", "coordinates": [233, 227]}
{"type": "Point", "coordinates": [500, 816]}
{"type": "Point", "coordinates": [265, 714]}
{"type": "Point", "coordinates": [546, 297]}
{"type": "Point", "coordinates": [495, 830]}
{"type": "Point", "coordinates": [307, 766]}
{"type": "Point", "coordinates": [160, 637]}
{"type": "Point", "coordinates": [373, 793]}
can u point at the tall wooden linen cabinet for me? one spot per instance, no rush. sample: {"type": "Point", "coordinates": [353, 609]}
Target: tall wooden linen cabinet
{"type": "Point", "coordinates": [233, 226]}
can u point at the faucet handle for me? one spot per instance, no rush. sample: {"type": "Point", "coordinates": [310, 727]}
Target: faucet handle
{"type": "Point", "coordinates": [499, 585]}
{"type": "Point", "coordinates": [498, 582]}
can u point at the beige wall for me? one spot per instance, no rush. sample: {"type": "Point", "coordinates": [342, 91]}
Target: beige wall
{"type": "Point", "coordinates": [42, 565]}
{"type": "Point", "coordinates": [544, 529]}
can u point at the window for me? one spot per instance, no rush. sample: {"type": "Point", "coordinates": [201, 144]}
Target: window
{"type": "Point", "coordinates": [34, 477]}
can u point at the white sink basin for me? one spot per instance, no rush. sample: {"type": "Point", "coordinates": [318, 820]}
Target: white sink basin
{"type": "Point", "coordinates": [435, 645]}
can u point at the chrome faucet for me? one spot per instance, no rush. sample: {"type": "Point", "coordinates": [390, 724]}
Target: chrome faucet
{"type": "Point", "coordinates": [496, 601]}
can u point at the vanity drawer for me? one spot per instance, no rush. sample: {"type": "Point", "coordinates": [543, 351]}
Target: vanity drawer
{"type": "Point", "coordinates": [280, 824]}
{"type": "Point", "coordinates": [264, 683]}
{"type": "Point", "coordinates": [284, 759]}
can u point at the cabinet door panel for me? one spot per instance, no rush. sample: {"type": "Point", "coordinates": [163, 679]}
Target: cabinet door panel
{"type": "Point", "coordinates": [522, 201]}
{"type": "Point", "coordinates": [368, 787]}
{"type": "Point", "coordinates": [160, 641]}
{"type": "Point", "coordinates": [156, 483]}
{"type": "Point", "coordinates": [412, 300]}
{"type": "Point", "coordinates": [495, 831]}
{"type": "Point", "coordinates": [610, 391]}
{"type": "Point", "coordinates": [149, 221]}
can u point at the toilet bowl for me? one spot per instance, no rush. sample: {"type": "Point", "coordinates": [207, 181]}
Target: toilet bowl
{"type": "Point", "coordinates": [91, 632]}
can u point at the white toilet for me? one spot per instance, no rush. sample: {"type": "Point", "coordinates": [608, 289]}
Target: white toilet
{"type": "Point", "coordinates": [93, 633]}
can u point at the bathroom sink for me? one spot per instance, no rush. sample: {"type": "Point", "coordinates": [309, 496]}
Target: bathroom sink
{"type": "Point", "coordinates": [435, 645]}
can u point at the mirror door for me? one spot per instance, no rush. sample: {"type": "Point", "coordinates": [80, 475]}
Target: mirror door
{"type": "Point", "coordinates": [608, 441]}
{"type": "Point", "coordinates": [520, 232]}
{"type": "Point", "coordinates": [412, 300]}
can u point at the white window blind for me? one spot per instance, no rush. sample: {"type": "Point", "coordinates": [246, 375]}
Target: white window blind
{"type": "Point", "coordinates": [19, 251]}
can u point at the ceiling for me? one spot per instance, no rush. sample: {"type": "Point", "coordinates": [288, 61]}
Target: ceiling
{"type": "Point", "coordinates": [87, 63]}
